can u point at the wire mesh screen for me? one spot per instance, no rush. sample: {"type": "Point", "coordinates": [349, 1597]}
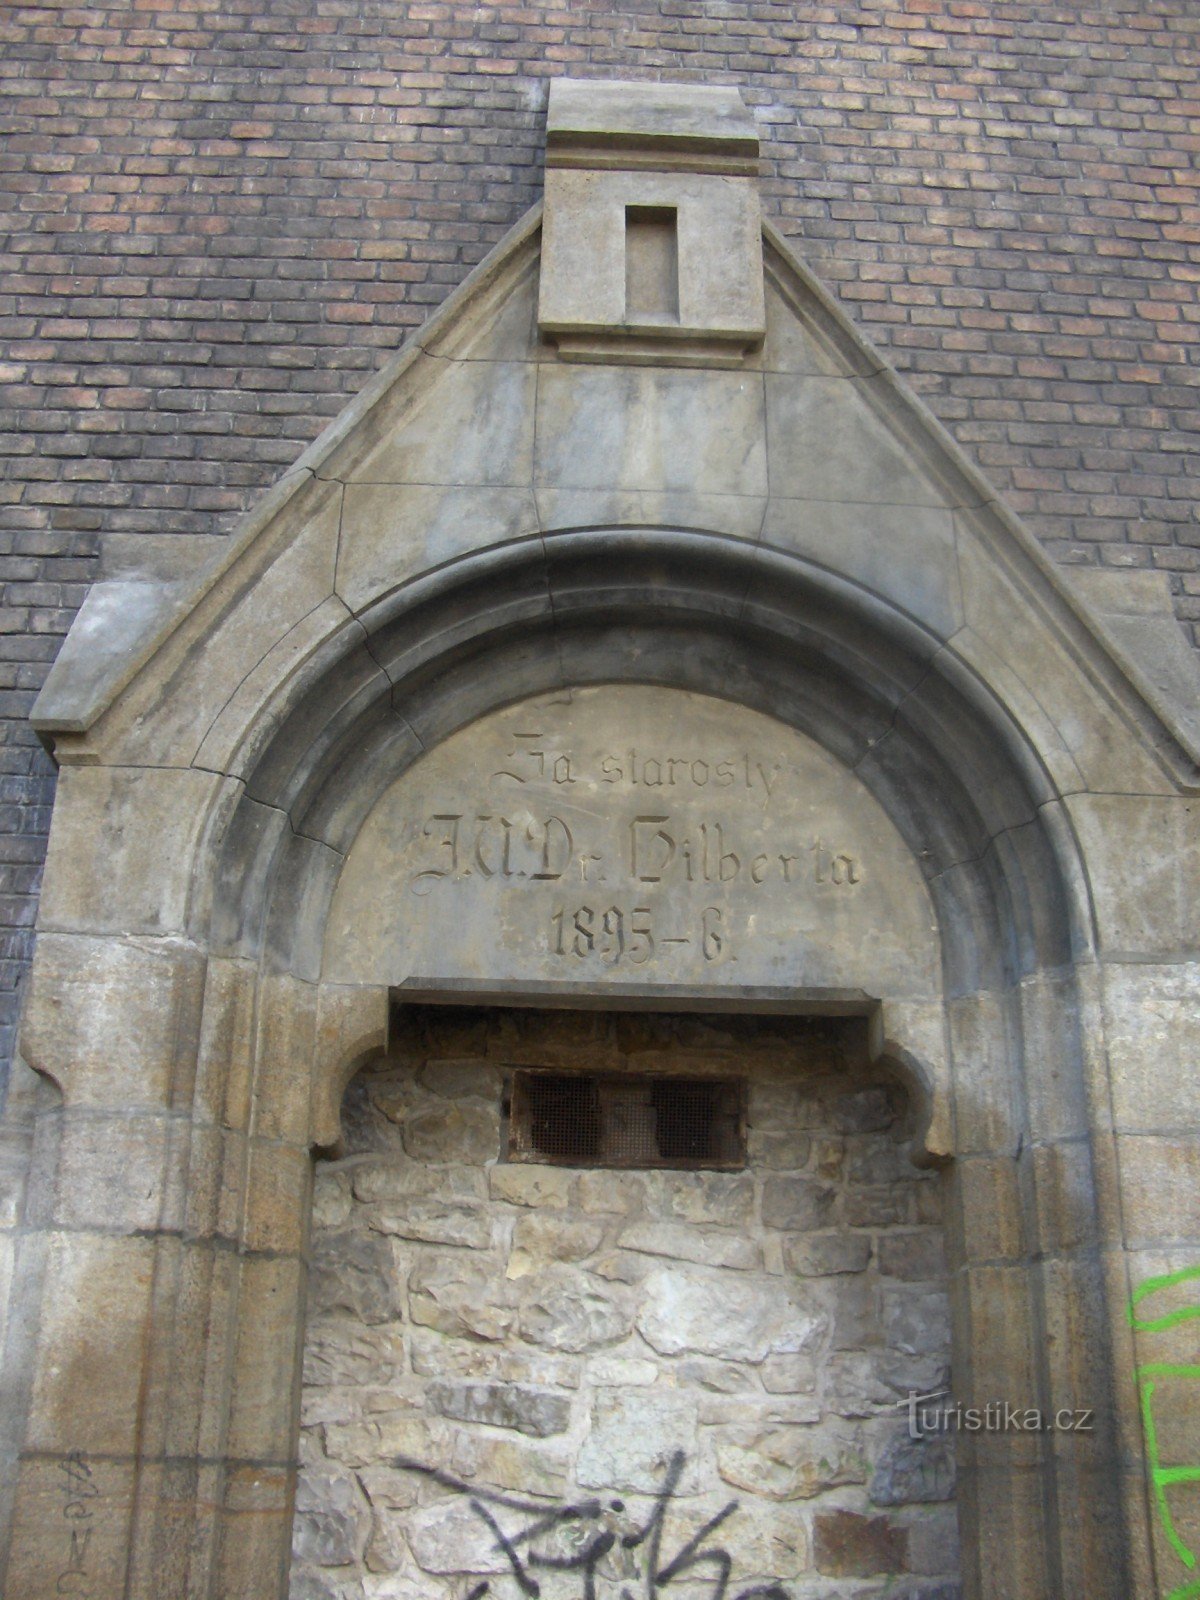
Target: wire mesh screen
{"type": "Point", "coordinates": [585, 1119]}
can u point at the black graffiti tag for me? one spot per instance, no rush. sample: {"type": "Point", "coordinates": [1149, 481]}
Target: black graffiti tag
{"type": "Point", "coordinates": [519, 1545]}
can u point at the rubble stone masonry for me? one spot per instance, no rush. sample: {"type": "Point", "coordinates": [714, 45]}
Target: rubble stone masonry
{"type": "Point", "coordinates": [497, 1347]}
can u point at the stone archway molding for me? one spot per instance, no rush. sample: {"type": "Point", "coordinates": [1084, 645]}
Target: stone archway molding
{"type": "Point", "coordinates": [490, 522]}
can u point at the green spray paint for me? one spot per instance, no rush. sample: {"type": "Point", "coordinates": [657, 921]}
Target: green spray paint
{"type": "Point", "coordinates": [1163, 1478]}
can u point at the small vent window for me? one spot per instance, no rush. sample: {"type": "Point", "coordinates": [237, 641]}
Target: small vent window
{"type": "Point", "coordinates": [651, 264]}
{"type": "Point", "coordinates": [591, 1120]}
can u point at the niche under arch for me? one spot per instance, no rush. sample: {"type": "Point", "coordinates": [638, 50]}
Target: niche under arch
{"type": "Point", "coordinates": [493, 1345]}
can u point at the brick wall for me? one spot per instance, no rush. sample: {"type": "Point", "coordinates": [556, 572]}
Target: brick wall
{"type": "Point", "coordinates": [220, 217]}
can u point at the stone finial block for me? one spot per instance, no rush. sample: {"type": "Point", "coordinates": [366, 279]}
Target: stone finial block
{"type": "Point", "coordinates": [652, 238]}
{"type": "Point", "coordinates": [588, 116]}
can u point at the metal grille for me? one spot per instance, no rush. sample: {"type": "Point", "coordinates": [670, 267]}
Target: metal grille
{"type": "Point", "coordinates": [592, 1120]}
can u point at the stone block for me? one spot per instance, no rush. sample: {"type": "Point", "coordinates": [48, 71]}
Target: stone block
{"type": "Point", "coordinates": [331, 1520]}
{"type": "Point", "coordinates": [332, 1203]}
{"type": "Point", "coordinates": [934, 1547]}
{"type": "Point", "coordinates": [455, 1080]}
{"type": "Point", "coordinates": [1066, 1196]}
{"type": "Point", "coordinates": [635, 508]}
{"type": "Point", "coordinates": [1143, 861]}
{"type": "Point", "coordinates": [277, 1197]}
{"type": "Point", "coordinates": [1160, 1185]}
{"type": "Point", "coordinates": [352, 1027]}
{"type": "Point", "coordinates": [124, 847]}
{"type": "Point", "coordinates": [512, 1464]}
{"type": "Point", "coordinates": [790, 1374]}
{"type": "Point", "coordinates": [722, 1198]}
{"type": "Point", "coordinates": [1085, 747]}
{"type": "Point", "coordinates": [435, 1355]}
{"type": "Point", "coordinates": [434, 1221]}
{"type": "Point", "coordinates": [537, 1412]}
{"type": "Point", "coordinates": [340, 1350]}
{"type": "Point", "coordinates": [537, 1240]}
{"type": "Point", "coordinates": [983, 1034]}
{"type": "Point", "coordinates": [803, 339]}
{"type": "Point", "coordinates": [544, 1187]}
{"type": "Point", "coordinates": [392, 533]}
{"type": "Point", "coordinates": [880, 1207]}
{"type": "Point", "coordinates": [794, 1463]}
{"type": "Point", "coordinates": [249, 721]}
{"type": "Point", "coordinates": [252, 603]}
{"type": "Point", "coordinates": [561, 1312]}
{"type": "Point", "coordinates": [401, 1437]}
{"type": "Point", "coordinates": [70, 1526]}
{"type": "Point", "coordinates": [455, 1133]}
{"type": "Point", "coordinates": [1011, 1533]}
{"type": "Point", "coordinates": [999, 1306]}
{"type": "Point", "coordinates": [92, 1336]}
{"type": "Point", "coordinates": [267, 1355]}
{"type": "Point", "coordinates": [798, 1203]}
{"type": "Point", "coordinates": [562, 786]}
{"type": "Point", "coordinates": [903, 553]}
{"type": "Point", "coordinates": [857, 1383]}
{"type": "Point", "coordinates": [989, 1197]}
{"type": "Point", "coordinates": [872, 1110]}
{"type": "Point", "coordinates": [453, 1539]}
{"type": "Point", "coordinates": [788, 1152]}
{"type": "Point", "coordinates": [109, 1019]}
{"type": "Point", "coordinates": [356, 1274]}
{"type": "Point", "coordinates": [114, 1172]}
{"type": "Point", "coordinates": [856, 1306]}
{"type": "Point", "coordinates": [1055, 1031]}
{"type": "Point", "coordinates": [591, 115]}
{"type": "Point", "coordinates": [455, 1295]}
{"type": "Point", "coordinates": [847, 1544]}
{"type": "Point", "coordinates": [497, 322]}
{"type": "Point", "coordinates": [394, 1180]}
{"type": "Point", "coordinates": [917, 1320]}
{"type": "Point", "coordinates": [914, 1471]}
{"type": "Point", "coordinates": [471, 424]}
{"type": "Point", "coordinates": [913, 1256]}
{"type": "Point", "coordinates": [706, 1312]}
{"type": "Point", "coordinates": [285, 1058]}
{"type": "Point", "coordinates": [256, 1529]}
{"type": "Point", "coordinates": [831, 439]}
{"type": "Point", "coordinates": [683, 1242]}
{"type": "Point", "coordinates": [701, 286]}
{"type": "Point", "coordinates": [1152, 1031]}
{"type": "Point", "coordinates": [633, 1439]}
{"type": "Point", "coordinates": [658, 430]}
{"type": "Point", "coordinates": [225, 1058]}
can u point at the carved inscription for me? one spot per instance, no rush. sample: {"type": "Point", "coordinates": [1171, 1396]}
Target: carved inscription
{"type": "Point", "coordinates": [527, 763]}
{"type": "Point", "coordinates": [657, 849]}
{"type": "Point", "coordinates": [636, 833]}
{"type": "Point", "coordinates": [490, 846]}
{"type": "Point", "coordinates": [620, 933]}
{"type": "Point", "coordinates": [607, 848]}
